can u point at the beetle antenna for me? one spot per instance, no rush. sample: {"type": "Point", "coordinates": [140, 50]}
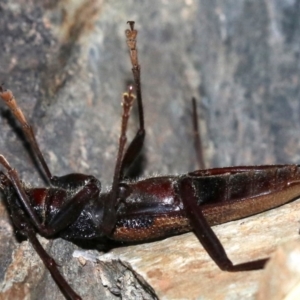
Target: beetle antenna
{"type": "Point", "coordinates": [136, 145]}
{"type": "Point", "coordinates": [109, 209]}
{"type": "Point", "coordinates": [10, 100]}
{"type": "Point", "coordinates": [127, 105]}
{"type": "Point", "coordinates": [197, 136]}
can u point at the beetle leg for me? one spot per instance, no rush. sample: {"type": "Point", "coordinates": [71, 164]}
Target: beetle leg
{"type": "Point", "coordinates": [207, 237]}
{"type": "Point", "coordinates": [69, 211]}
{"type": "Point", "coordinates": [23, 224]}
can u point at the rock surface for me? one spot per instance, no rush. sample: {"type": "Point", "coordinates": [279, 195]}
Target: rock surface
{"type": "Point", "coordinates": [281, 279]}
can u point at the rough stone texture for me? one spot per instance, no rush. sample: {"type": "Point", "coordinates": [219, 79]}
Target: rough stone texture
{"type": "Point", "coordinates": [67, 63]}
{"type": "Point", "coordinates": [281, 279]}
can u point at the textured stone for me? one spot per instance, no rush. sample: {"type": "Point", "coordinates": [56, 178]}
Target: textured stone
{"type": "Point", "coordinates": [281, 279]}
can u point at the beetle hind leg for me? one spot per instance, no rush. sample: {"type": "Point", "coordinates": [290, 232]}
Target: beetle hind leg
{"type": "Point", "coordinates": [206, 235]}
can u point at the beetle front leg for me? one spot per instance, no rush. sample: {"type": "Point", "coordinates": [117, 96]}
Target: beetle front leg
{"type": "Point", "coordinates": [88, 187]}
{"type": "Point", "coordinates": [69, 211]}
{"type": "Point", "coordinates": [23, 224]}
{"type": "Point", "coordinates": [207, 237]}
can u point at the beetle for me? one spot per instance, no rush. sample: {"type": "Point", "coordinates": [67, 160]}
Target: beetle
{"type": "Point", "coordinates": [74, 208]}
